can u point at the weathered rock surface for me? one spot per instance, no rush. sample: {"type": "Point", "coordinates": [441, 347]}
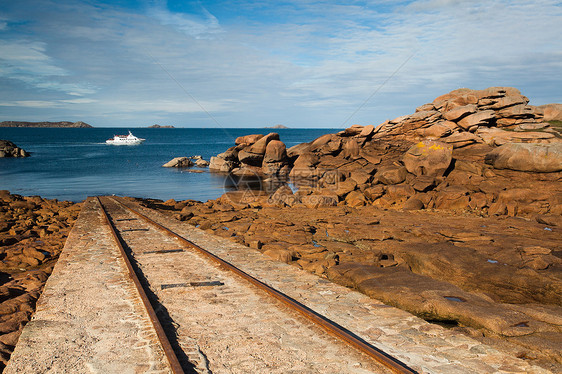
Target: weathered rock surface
{"type": "Point", "coordinates": [199, 162]}
{"type": "Point", "coordinates": [540, 158]}
{"type": "Point", "coordinates": [178, 162]}
{"type": "Point", "coordinates": [9, 149]}
{"type": "Point", "coordinates": [428, 157]}
{"type": "Point", "coordinates": [248, 139]}
{"type": "Point", "coordinates": [552, 112]}
{"type": "Point", "coordinates": [221, 165]}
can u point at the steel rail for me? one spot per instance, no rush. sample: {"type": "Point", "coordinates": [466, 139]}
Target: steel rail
{"type": "Point", "coordinates": [328, 325]}
{"type": "Point", "coordinates": [173, 361]}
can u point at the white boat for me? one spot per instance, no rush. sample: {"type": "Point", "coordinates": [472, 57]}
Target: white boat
{"type": "Point", "coordinates": [125, 140]}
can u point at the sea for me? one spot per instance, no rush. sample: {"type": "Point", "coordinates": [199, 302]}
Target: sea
{"type": "Point", "coordinates": [74, 163]}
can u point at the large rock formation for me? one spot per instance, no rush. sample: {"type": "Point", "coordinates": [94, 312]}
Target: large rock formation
{"type": "Point", "coordinates": [253, 155]}
{"type": "Point", "coordinates": [458, 153]}
{"type": "Point", "coordinates": [9, 149]}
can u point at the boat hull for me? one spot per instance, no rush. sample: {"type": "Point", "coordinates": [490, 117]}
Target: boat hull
{"type": "Point", "coordinates": [134, 142]}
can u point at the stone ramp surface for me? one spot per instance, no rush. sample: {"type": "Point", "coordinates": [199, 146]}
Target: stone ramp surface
{"type": "Point", "coordinates": [90, 318]}
{"type": "Point", "coordinates": [426, 347]}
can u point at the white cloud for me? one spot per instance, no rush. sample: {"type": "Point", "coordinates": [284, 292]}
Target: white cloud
{"type": "Point", "coordinates": [200, 25]}
{"type": "Point", "coordinates": [31, 104]}
{"type": "Point", "coordinates": [27, 61]}
{"type": "Point", "coordinates": [431, 5]}
{"type": "Point", "coordinates": [302, 62]}
{"type": "Point", "coordinates": [3, 22]}
{"type": "Point", "coordinates": [79, 101]}
{"type": "Point", "coordinates": [45, 103]}
{"type": "Point", "coordinates": [24, 57]}
{"type": "Point", "coordinates": [166, 106]}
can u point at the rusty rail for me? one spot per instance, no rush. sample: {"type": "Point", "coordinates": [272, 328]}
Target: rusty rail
{"type": "Point", "coordinates": [168, 350]}
{"type": "Point", "coordinates": [329, 326]}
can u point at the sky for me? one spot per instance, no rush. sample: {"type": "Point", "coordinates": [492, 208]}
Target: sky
{"type": "Point", "coordinates": [249, 63]}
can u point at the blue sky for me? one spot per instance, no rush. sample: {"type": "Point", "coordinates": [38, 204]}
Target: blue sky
{"type": "Point", "coordinates": [248, 63]}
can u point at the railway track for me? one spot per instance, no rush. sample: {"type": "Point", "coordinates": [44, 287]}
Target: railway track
{"type": "Point", "coordinates": [211, 316]}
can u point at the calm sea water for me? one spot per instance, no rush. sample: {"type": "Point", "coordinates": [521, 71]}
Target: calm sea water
{"type": "Point", "coordinates": [71, 164]}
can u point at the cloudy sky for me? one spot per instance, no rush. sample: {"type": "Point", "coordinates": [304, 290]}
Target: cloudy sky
{"type": "Point", "coordinates": [249, 63]}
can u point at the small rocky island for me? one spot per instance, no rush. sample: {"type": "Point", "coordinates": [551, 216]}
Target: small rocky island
{"type": "Point", "coordinates": [78, 124]}
{"type": "Point", "coordinates": [9, 149]}
{"type": "Point", "coordinates": [161, 127]}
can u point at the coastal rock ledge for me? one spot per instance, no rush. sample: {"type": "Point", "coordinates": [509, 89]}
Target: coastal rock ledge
{"type": "Point", "coordinates": [9, 149]}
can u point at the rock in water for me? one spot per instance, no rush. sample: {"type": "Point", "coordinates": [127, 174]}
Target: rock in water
{"type": "Point", "coordinates": [186, 162]}
{"type": "Point", "coordinates": [9, 149]}
{"type": "Point", "coordinates": [542, 158]}
{"type": "Point", "coordinates": [201, 163]}
{"type": "Point", "coordinates": [221, 165]}
{"type": "Point", "coordinates": [178, 162]}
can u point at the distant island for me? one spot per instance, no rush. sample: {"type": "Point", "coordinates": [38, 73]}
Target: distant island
{"type": "Point", "coordinates": [277, 127]}
{"type": "Point", "coordinates": [161, 127]}
{"type": "Point", "coordinates": [78, 124]}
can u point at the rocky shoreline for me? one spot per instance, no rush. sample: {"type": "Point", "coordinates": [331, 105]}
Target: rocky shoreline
{"type": "Point", "coordinates": [32, 235]}
{"type": "Point", "coordinates": [451, 213]}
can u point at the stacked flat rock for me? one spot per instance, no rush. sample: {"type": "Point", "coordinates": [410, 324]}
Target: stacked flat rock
{"type": "Point", "coordinates": [253, 155]}
{"type": "Point", "coordinates": [9, 149]}
{"type": "Point", "coordinates": [494, 116]}
{"type": "Point", "coordinates": [463, 152]}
